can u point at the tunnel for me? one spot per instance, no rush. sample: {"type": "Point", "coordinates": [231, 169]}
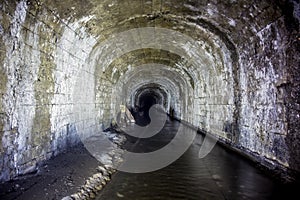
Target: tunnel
{"type": "Point", "coordinates": [146, 101]}
{"type": "Point", "coordinates": [221, 69]}
{"type": "Point", "coordinates": [146, 97]}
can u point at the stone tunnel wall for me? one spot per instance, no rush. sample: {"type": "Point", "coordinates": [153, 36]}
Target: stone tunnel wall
{"type": "Point", "coordinates": [42, 57]}
{"type": "Point", "coordinates": [240, 81]}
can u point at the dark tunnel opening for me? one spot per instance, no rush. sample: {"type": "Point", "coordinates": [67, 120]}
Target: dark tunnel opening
{"type": "Point", "coordinates": [77, 75]}
{"type": "Point", "coordinates": [142, 107]}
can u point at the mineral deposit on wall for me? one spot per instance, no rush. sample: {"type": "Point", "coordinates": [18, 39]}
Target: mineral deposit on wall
{"type": "Point", "coordinates": [230, 68]}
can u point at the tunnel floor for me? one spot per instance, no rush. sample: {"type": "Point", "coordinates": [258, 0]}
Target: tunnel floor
{"type": "Point", "coordinates": [55, 179]}
{"type": "Point", "coordinates": [222, 174]}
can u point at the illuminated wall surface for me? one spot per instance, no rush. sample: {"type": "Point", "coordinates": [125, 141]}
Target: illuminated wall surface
{"type": "Point", "coordinates": [228, 67]}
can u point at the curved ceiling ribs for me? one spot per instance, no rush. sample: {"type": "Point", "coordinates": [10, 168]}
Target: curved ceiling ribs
{"type": "Point", "coordinates": [208, 53]}
{"type": "Point", "coordinates": [227, 67]}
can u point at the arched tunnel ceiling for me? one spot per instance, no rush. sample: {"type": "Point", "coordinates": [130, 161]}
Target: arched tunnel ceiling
{"type": "Point", "coordinates": [192, 59]}
{"type": "Point", "coordinates": [226, 66]}
{"type": "Point", "coordinates": [220, 29]}
{"type": "Point", "coordinates": [166, 78]}
{"type": "Point", "coordinates": [144, 56]}
{"type": "Point", "coordinates": [232, 17]}
{"type": "Point", "coordinates": [153, 90]}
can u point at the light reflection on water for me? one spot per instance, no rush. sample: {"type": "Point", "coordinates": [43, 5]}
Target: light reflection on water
{"type": "Point", "coordinates": [220, 175]}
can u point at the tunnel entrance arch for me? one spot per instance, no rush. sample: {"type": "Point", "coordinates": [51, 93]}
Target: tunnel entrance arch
{"type": "Point", "coordinates": [147, 96]}
{"type": "Point", "coordinates": [201, 63]}
{"type": "Point", "coordinates": [152, 90]}
{"type": "Point", "coordinates": [171, 87]}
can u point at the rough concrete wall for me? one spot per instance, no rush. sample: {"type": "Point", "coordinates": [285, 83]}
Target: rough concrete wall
{"type": "Point", "coordinates": [3, 81]}
{"type": "Point", "coordinates": [42, 57]}
{"type": "Point", "coordinates": [242, 74]}
{"type": "Point", "coordinates": [263, 126]}
{"type": "Point", "coordinates": [268, 70]}
{"type": "Point", "coordinates": [18, 102]}
{"type": "Point", "coordinates": [290, 87]}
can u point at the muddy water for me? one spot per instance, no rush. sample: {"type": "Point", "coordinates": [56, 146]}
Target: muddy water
{"type": "Point", "coordinates": [220, 175]}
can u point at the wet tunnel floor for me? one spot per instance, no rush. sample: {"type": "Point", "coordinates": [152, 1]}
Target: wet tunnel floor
{"type": "Point", "coordinates": [222, 174]}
